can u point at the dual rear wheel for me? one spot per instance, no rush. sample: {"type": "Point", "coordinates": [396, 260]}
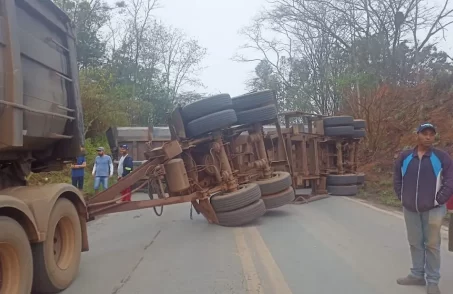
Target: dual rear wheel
{"type": "Point", "coordinates": [47, 267]}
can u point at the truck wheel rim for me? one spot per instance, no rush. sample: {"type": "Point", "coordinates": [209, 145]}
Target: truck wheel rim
{"type": "Point", "coordinates": [63, 243]}
{"type": "Point", "coordinates": [9, 269]}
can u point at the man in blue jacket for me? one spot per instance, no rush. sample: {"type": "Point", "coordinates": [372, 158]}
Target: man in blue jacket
{"type": "Point", "coordinates": [125, 166]}
{"type": "Point", "coordinates": [423, 181]}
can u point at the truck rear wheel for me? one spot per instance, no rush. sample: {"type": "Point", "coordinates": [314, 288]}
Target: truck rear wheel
{"type": "Point", "coordinates": [242, 216]}
{"type": "Point", "coordinates": [57, 259]}
{"type": "Point", "coordinates": [279, 199]}
{"type": "Point", "coordinates": [16, 262]}
{"type": "Point", "coordinates": [256, 115]}
{"type": "Point", "coordinates": [245, 195]}
{"type": "Point", "coordinates": [278, 182]}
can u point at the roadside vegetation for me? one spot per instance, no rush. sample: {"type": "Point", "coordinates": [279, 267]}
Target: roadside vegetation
{"type": "Point", "coordinates": [378, 60]}
{"type": "Point", "coordinates": [64, 176]}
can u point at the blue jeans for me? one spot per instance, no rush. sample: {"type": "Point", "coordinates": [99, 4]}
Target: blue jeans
{"type": "Point", "coordinates": [423, 234]}
{"type": "Point", "coordinates": [78, 182]}
{"type": "Point", "coordinates": [101, 180]}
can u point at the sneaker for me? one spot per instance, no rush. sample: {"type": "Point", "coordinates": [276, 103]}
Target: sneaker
{"type": "Point", "coordinates": [432, 289]}
{"type": "Point", "coordinates": [411, 281]}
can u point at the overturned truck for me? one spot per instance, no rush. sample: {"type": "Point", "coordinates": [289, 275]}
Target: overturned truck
{"type": "Point", "coordinates": [316, 154]}
{"type": "Point", "coordinates": [222, 154]}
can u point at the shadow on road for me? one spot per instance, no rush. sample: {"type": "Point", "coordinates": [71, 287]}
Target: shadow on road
{"type": "Point", "coordinates": [276, 213]}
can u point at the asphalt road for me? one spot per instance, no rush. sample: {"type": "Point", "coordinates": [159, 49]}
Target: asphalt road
{"type": "Point", "coordinates": [329, 246]}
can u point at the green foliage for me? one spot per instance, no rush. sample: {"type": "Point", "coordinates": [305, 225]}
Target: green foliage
{"type": "Point", "coordinates": [380, 192]}
{"type": "Point", "coordinates": [133, 69]}
{"type": "Point", "coordinates": [107, 103]}
{"type": "Point", "coordinates": [88, 18]}
{"type": "Point", "coordinates": [64, 176]}
{"type": "Point", "coordinates": [314, 51]}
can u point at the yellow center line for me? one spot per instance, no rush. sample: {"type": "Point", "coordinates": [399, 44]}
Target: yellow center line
{"type": "Point", "coordinates": [275, 276]}
{"type": "Point", "coordinates": [250, 274]}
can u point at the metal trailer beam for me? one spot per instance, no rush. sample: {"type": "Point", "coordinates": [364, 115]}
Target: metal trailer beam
{"type": "Point", "coordinates": [109, 200]}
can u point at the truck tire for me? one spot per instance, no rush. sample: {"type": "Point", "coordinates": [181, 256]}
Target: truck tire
{"type": "Point", "coordinates": [335, 121]}
{"type": "Point", "coordinates": [57, 259]}
{"type": "Point", "coordinates": [206, 106]}
{"type": "Point", "coordinates": [245, 195]}
{"type": "Point", "coordinates": [350, 190]}
{"type": "Point", "coordinates": [16, 261]}
{"type": "Point", "coordinates": [340, 131]}
{"type": "Point", "coordinates": [211, 122]}
{"type": "Point", "coordinates": [279, 199]}
{"type": "Point", "coordinates": [242, 215]}
{"type": "Point", "coordinates": [342, 180]}
{"type": "Point", "coordinates": [253, 100]}
{"type": "Point", "coordinates": [358, 134]}
{"type": "Point", "coordinates": [278, 182]}
{"type": "Point", "coordinates": [359, 124]}
{"type": "Point", "coordinates": [255, 115]}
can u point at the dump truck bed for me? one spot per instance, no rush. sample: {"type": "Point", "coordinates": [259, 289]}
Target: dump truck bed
{"type": "Point", "coordinates": [138, 138]}
{"type": "Point", "coordinates": [40, 107]}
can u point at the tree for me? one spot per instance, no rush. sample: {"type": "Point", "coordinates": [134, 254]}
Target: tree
{"type": "Point", "coordinates": [317, 46]}
{"type": "Point", "coordinates": [88, 18]}
{"type": "Point", "coordinates": [104, 103]}
{"type": "Point", "coordinates": [131, 66]}
{"type": "Point", "coordinates": [181, 59]}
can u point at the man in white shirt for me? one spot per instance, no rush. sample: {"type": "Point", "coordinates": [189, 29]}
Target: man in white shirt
{"type": "Point", "coordinates": [102, 169]}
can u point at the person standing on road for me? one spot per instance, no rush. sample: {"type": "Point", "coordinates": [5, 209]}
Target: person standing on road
{"type": "Point", "coordinates": [78, 170]}
{"type": "Point", "coordinates": [125, 166]}
{"type": "Point", "coordinates": [423, 181]}
{"type": "Point", "coordinates": [102, 169]}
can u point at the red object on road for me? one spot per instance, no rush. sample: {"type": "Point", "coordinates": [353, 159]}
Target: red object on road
{"type": "Point", "coordinates": [450, 204]}
{"type": "Point", "coordinates": [127, 195]}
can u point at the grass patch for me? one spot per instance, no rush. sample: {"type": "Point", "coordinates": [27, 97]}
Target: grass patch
{"type": "Point", "coordinates": [380, 192]}
{"type": "Point", "coordinates": [64, 176]}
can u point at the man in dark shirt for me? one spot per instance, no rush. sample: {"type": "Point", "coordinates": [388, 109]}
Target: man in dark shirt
{"type": "Point", "coordinates": [423, 181]}
{"type": "Point", "coordinates": [125, 166]}
{"type": "Point", "coordinates": [78, 170]}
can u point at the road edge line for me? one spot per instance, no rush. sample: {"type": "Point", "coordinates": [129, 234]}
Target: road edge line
{"type": "Point", "coordinates": [399, 215]}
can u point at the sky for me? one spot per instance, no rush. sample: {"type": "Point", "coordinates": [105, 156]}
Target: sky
{"type": "Point", "coordinates": [215, 24]}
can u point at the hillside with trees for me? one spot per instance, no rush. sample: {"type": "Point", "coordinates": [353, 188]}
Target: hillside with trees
{"type": "Point", "coordinates": [374, 59]}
